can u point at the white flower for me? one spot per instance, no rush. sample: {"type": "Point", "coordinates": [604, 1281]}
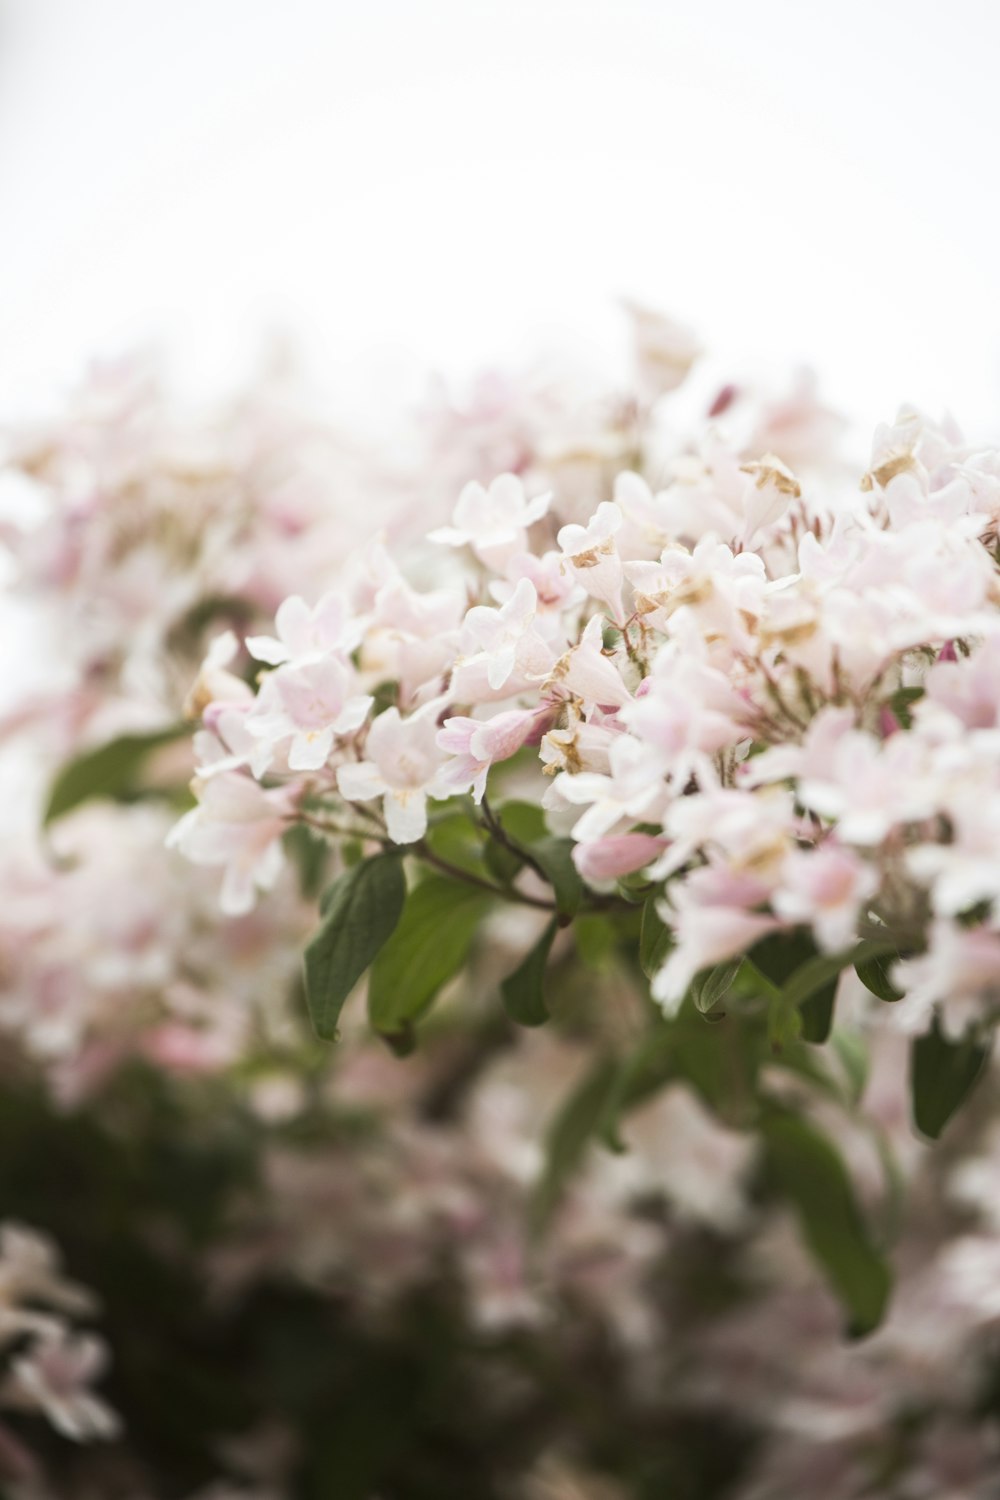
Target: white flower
{"type": "Point", "coordinates": [239, 826]}
{"type": "Point", "coordinates": [403, 766]}
{"type": "Point", "coordinates": [592, 552]}
{"type": "Point", "coordinates": [54, 1376]}
{"type": "Point", "coordinates": [493, 522]}
{"type": "Point", "coordinates": [311, 704]}
{"type": "Point", "coordinates": [500, 647]}
{"type": "Point", "coordinates": [303, 632]}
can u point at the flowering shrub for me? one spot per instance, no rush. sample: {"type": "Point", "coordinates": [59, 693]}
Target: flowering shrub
{"type": "Point", "coordinates": [641, 787]}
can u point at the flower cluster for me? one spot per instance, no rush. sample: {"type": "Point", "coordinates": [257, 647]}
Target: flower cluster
{"type": "Point", "coordinates": [48, 1366]}
{"type": "Point", "coordinates": [652, 722]}
{"type": "Point", "coordinates": [778, 708]}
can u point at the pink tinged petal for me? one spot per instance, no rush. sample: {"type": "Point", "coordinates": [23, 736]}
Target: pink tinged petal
{"type": "Point", "coordinates": [707, 935]}
{"type": "Point", "coordinates": [608, 858]}
{"type": "Point", "coordinates": [406, 814]}
{"type": "Point", "coordinates": [361, 782]}
{"type": "Point", "coordinates": [456, 735]}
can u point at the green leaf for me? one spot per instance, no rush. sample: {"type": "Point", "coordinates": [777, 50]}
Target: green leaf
{"type": "Point", "coordinates": [784, 956]}
{"type": "Point", "coordinates": [455, 837]}
{"type": "Point", "coordinates": [902, 701]}
{"type": "Point", "coordinates": [112, 770]}
{"type": "Point", "coordinates": [524, 822]}
{"type": "Point", "coordinates": [309, 853]}
{"type": "Point", "coordinates": [874, 975]}
{"type": "Point", "coordinates": [813, 976]}
{"type": "Point", "coordinates": [577, 1123]}
{"type": "Point", "coordinates": [712, 985]}
{"type": "Point", "coordinates": [942, 1075]}
{"type": "Point", "coordinates": [361, 909]}
{"type": "Point", "coordinates": [555, 856]}
{"type": "Point", "coordinates": [428, 947]}
{"type": "Point", "coordinates": [655, 939]}
{"type": "Point", "coordinates": [803, 1165]}
{"type": "Point", "coordinates": [596, 942]}
{"type": "Point", "coordinates": [523, 991]}
{"type": "Point", "coordinates": [854, 1061]}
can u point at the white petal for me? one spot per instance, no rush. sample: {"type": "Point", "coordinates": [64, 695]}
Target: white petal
{"type": "Point", "coordinates": [406, 815]}
{"type": "Point", "coordinates": [360, 782]}
{"type": "Point", "coordinates": [266, 648]}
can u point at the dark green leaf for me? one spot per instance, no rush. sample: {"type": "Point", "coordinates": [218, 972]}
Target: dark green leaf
{"type": "Point", "coordinates": [361, 909]}
{"type": "Point", "coordinates": [874, 975]}
{"type": "Point", "coordinates": [815, 975]}
{"type": "Point", "coordinates": [576, 1124]}
{"type": "Point", "coordinates": [942, 1075]}
{"type": "Point", "coordinates": [524, 822]}
{"type": "Point", "coordinates": [428, 947]}
{"type": "Point", "coordinates": [555, 856]}
{"type": "Point", "coordinates": [803, 1165]}
{"type": "Point", "coordinates": [779, 957]}
{"type": "Point", "coordinates": [523, 991]}
{"type": "Point", "coordinates": [654, 940]}
{"type": "Point", "coordinates": [309, 853]}
{"type": "Point", "coordinates": [112, 770]}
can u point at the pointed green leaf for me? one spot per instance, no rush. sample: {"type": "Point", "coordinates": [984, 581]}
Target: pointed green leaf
{"type": "Point", "coordinates": [428, 947]}
{"type": "Point", "coordinates": [874, 975]}
{"type": "Point", "coordinates": [111, 770]}
{"type": "Point", "coordinates": [523, 991]}
{"type": "Point", "coordinates": [655, 939]}
{"type": "Point", "coordinates": [942, 1075]}
{"type": "Point", "coordinates": [361, 909]}
{"type": "Point", "coordinates": [713, 985]}
{"type": "Point", "coordinates": [555, 856]}
{"type": "Point", "coordinates": [803, 1165]}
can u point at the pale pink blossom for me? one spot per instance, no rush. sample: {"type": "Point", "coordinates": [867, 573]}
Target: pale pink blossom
{"type": "Point", "coordinates": [493, 522]}
{"type": "Point", "coordinates": [593, 555]}
{"type": "Point", "coordinates": [311, 704]}
{"type": "Point", "coordinates": [711, 922]}
{"type": "Point", "coordinates": [500, 648]}
{"type": "Point", "coordinates": [403, 768]}
{"type": "Point", "coordinates": [238, 825]}
{"type": "Point", "coordinates": [606, 859]}
{"type": "Point", "coordinates": [478, 744]}
{"type": "Point", "coordinates": [302, 632]}
{"type": "Point", "coordinates": [825, 888]}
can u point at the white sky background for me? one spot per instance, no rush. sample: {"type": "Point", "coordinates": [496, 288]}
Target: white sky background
{"type": "Point", "coordinates": [446, 184]}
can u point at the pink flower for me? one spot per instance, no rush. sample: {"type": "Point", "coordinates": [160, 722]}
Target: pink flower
{"type": "Point", "coordinates": [826, 888]}
{"type": "Point", "coordinates": [493, 522]}
{"type": "Point", "coordinates": [603, 860]}
{"type": "Point", "coordinates": [477, 744]}
{"type": "Point", "coordinates": [403, 769]}
{"type": "Point", "coordinates": [589, 673]}
{"type": "Point", "coordinates": [500, 648]}
{"type": "Point", "coordinates": [239, 826]}
{"type": "Point", "coordinates": [303, 632]}
{"type": "Point", "coordinates": [711, 923]}
{"type": "Point", "coordinates": [311, 704]}
{"type": "Point", "coordinates": [593, 555]}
